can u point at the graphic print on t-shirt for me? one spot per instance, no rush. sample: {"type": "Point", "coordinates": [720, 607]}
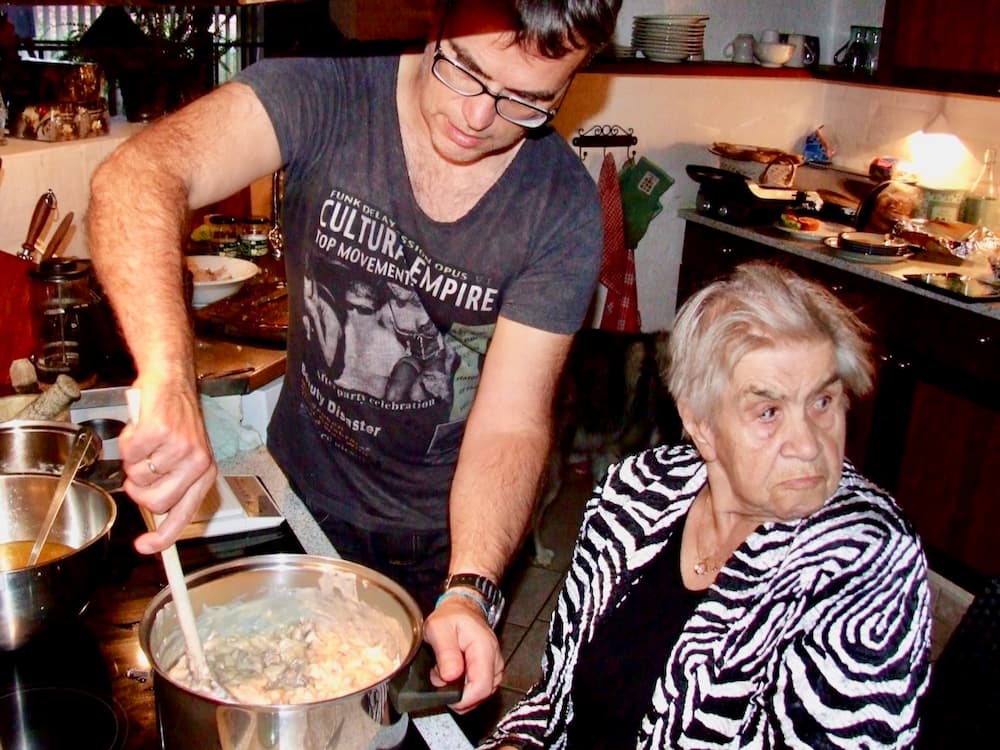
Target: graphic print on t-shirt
{"type": "Point", "coordinates": [395, 339]}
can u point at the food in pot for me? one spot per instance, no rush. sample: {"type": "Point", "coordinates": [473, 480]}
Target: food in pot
{"type": "Point", "coordinates": [294, 647]}
{"type": "Point", "coordinates": [14, 555]}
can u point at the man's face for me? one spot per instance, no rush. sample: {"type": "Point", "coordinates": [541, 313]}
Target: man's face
{"type": "Point", "coordinates": [464, 129]}
{"type": "Point", "coordinates": [775, 443]}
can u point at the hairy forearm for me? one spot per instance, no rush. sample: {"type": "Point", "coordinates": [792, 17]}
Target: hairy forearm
{"type": "Point", "coordinates": [493, 496]}
{"type": "Point", "coordinates": [134, 225]}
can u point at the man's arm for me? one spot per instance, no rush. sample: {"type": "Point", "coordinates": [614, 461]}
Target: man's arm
{"type": "Point", "coordinates": [501, 461]}
{"type": "Point", "coordinates": [136, 222]}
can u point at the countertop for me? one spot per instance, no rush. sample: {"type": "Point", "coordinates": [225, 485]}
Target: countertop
{"type": "Point", "coordinates": [891, 274]}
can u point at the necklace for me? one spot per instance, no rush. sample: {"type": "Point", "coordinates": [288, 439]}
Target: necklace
{"type": "Point", "coordinates": [704, 566]}
{"type": "Point", "coordinates": [714, 561]}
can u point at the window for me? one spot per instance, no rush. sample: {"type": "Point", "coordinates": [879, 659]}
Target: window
{"type": "Point", "coordinates": [50, 30]}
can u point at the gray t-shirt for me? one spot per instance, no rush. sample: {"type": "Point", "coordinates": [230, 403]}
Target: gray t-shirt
{"type": "Point", "coordinates": [391, 312]}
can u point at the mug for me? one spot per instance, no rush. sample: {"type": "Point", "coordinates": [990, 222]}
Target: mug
{"type": "Point", "coordinates": [770, 35]}
{"type": "Point", "coordinates": [740, 49]}
{"type": "Point", "coordinates": [804, 54]}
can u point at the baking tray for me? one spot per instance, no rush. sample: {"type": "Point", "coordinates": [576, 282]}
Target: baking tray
{"type": "Point", "coordinates": [956, 285]}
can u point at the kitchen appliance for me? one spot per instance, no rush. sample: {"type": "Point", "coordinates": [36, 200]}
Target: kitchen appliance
{"type": "Point", "coordinates": [192, 721]}
{"type": "Point", "coordinates": [63, 304]}
{"type": "Point", "coordinates": [733, 198]}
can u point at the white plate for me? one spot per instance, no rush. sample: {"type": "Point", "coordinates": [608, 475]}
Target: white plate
{"type": "Point", "coordinates": [825, 230]}
{"type": "Point", "coordinates": [872, 260]}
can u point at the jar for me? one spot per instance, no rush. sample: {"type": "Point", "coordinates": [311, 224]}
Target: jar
{"type": "Point", "coordinates": [224, 235]}
{"type": "Point", "coordinates": [63, 303]}
{"type": "Point", "coordinates": [253, 236]}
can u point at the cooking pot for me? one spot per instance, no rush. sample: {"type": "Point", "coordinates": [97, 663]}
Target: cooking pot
{"type": "Point", "coordinates": [30, 446]}
{"type": "Point", "coordinates": [194, 721]}
{"type": "Point", "coordinates": [36, 598]}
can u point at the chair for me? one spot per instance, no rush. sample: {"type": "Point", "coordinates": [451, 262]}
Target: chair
{"type": "Point", "coordinates": [962, 707]}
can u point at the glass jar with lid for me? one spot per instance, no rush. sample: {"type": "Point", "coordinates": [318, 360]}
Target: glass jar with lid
{"type": "Point", "coordinates": [253, 236]}
{"type": "Point", "coordinates": [224, 234]}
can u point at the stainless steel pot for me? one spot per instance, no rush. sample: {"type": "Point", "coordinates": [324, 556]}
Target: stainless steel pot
{"type": "Point", "coordinates": [33, 599]}
{"type": "Point", "coordinates": [36, 446]}
{"type": "Point", "coordinates": [192, 721]}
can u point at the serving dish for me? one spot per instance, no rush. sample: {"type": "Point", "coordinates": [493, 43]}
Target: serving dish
{"type": "Point", "coordinates": [959, 286]}
{"type": "Point", "coordinates": [867, 258]}
{"type": "Point", "coordinates": [825, 230]}
{"type": "Point", "coordinates": [217, 277]}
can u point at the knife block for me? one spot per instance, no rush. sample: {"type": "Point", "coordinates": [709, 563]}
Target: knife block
{"type": "Point", "coordinates": [17, 321]}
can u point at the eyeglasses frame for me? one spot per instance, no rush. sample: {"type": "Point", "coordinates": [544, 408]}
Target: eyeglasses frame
{"type": "Point", "coordinates": [439, 55]}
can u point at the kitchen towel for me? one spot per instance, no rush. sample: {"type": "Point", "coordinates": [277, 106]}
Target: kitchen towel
{"type": "Point", "coordinates": [621, 306]}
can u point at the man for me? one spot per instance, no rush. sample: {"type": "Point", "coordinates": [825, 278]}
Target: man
{"type": "Point", "coordinates": [430, 171]}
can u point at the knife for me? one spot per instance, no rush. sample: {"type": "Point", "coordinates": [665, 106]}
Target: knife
{"type": "Point", "coordinates": [57, 238]}
{"type": "Point", "coordinates": [46, 203]}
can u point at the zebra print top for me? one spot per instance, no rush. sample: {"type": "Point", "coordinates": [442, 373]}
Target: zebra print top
{"type": "Point", "coordinates": [815, 634]}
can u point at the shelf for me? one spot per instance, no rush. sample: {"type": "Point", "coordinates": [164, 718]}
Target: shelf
{"type": "Point", "coordinates": [707, 68]}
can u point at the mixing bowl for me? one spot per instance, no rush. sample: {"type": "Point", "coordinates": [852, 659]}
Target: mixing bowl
{"type": "Point", "coordinates": [36, 598]}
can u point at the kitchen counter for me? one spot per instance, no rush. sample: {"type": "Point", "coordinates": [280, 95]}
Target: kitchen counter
{"type": "Point", "coordinates": [891, 274]}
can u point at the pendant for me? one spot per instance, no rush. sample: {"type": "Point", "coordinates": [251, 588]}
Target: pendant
{"type": "Point", "coordinates": [701, 567]}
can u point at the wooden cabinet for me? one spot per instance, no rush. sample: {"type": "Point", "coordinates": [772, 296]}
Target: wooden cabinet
{"type": "Point", "coordinates": [942, 45]}
{"type": "Point", "coordinates": [931, 432]}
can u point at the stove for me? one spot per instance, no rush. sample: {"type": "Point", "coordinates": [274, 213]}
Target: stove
{"type": "Point", "coordinates": [87, 684]}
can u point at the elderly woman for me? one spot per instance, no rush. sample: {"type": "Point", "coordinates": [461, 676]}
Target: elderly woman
{"type": "Point", "coordinates": [749, 588]}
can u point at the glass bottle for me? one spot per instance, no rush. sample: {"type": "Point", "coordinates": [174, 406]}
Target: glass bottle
{"type": "Point", "coordinates": [982, 203]}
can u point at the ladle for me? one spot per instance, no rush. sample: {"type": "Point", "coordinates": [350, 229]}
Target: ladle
{"type": "Point", "coordinates": [178, 589]}
{"type": "Point", "coordinates": [76, 453]}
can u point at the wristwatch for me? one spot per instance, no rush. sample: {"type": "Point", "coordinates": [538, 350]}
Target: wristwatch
{"type": "Point", "coordinates": [489, 591]}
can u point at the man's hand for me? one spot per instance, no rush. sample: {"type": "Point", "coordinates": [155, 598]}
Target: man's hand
{"type": "Point", "coordinates": [167, 460]}
{"type": "Point", "coordinates": [464, 643]}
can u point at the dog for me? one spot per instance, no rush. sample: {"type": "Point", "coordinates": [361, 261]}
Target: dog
{"type": "Point", "coordinates": [611, 401]}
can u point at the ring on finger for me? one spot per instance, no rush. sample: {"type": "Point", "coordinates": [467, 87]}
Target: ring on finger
{"type": "Point", "coordinates": [151, 466]}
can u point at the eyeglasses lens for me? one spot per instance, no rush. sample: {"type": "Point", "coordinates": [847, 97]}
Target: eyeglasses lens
{"type": "Point", "coordinates": [462, 82]}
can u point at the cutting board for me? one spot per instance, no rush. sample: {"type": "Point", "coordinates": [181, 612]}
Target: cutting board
{"type": "Point", "coordinates": [17, 324]}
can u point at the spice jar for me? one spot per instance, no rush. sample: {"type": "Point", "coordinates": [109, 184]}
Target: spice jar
{"type": "Point", "coordinates": [224, 235]}
{"type": "Point", "coordinates": [253, 236]}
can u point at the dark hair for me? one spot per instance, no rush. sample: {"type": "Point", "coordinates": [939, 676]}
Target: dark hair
{"type": "Point", "coordinates": [557, 27]}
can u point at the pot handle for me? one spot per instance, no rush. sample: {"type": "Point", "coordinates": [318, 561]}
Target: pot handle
{"type": "Point", "coordinates": [411, 690]}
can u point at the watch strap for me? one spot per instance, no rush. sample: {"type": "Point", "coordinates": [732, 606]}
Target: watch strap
{"type": "Point", "coordinates": [487, 589]}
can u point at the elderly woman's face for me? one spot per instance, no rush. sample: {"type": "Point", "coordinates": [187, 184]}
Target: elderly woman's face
{"type": "Point", "coordinates": [775, 443]}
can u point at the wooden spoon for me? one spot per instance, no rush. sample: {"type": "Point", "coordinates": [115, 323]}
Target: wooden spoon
{"type": "Point", "coordinates": [204, 681]}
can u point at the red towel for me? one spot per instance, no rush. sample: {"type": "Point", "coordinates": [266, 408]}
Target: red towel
{"type": "Point", "coordinates": [621, 307]}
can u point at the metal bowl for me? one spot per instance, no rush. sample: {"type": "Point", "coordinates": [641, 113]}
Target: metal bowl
{"type": "Point", "coordinates": [34, 446]}
{"type": "Point", "coordinates": [49, 593]}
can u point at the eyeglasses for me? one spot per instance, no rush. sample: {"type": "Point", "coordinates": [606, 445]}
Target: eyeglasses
{"type": "Point", "coordinates": [461, 81]}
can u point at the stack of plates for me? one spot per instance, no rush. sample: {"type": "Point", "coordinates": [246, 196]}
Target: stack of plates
{"type": "Point", "coordinates": [670, 38]}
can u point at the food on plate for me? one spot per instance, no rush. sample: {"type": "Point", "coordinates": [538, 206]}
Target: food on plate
{"type": "Point", "coordinates": [790, 220]}
{"type": "Point", "coordinates": [761, 154]}
{"type": "Point", "coordinates": [298, 646]}
{"type": "Point", "coordinates": [202, 274]}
